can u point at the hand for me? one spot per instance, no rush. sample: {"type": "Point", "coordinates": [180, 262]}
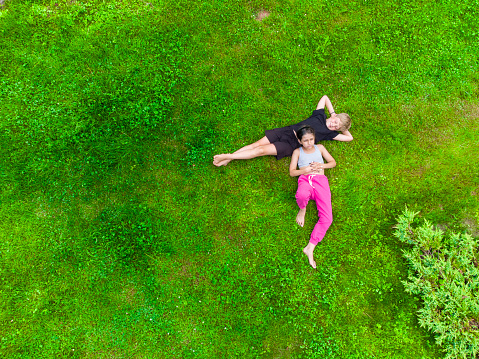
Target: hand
{"type": "Point", "coordinates": [317, 166]}
{"type": "Point", "coordinates": [295, 135]}
{"type": "Point", "coordinates": [309, 169]}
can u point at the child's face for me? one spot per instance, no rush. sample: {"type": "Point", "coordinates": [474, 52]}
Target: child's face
{"type": "Point", "coordinates": [307, 141]}
{"type": "Point", "coordinates": [334, 124]}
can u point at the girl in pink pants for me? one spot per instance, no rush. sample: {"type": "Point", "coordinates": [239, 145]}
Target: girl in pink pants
{"type": "Point", "coordinates": [312, 184]}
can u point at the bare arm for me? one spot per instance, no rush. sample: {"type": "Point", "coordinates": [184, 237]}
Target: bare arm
{"type": "Point", "coordinates": [331, 163]}
{"type": "Point", "coordinates": [344, 136]}
{"type": "Point", "coordinates": [293, 171]}
{"type": "Point", "coordinates": [325, 101]}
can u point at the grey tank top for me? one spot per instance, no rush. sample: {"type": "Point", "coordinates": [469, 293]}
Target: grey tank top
{"type": "Point", "coordinates": [306, 158]}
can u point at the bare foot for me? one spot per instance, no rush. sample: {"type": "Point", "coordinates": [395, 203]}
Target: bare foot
{"type": "Point", "coordinates": [300, 216]}
{"type": "Point", "coordinates": [222, 163]}
{"type": "Point", "coordinates": [221, 160]}
{"type": "Point", "coordinates": [308, 250]}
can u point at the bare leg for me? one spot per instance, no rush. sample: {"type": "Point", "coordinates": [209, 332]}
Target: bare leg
{"type": "Point", "coordinates": [308, 250]}
{"type": "Point", "coordinates": [245, 153]}
{"type": "Point", "coordinates": [262, 142]}
{"type": "Point", "coordinates": [300, 216]}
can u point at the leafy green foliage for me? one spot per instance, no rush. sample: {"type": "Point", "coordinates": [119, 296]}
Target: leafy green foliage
{"type": "Point", "coordinates": [444, 272]}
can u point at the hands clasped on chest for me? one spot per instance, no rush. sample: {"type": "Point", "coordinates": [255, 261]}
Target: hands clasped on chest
{"type": "Point", "coordinates": [315, 168]}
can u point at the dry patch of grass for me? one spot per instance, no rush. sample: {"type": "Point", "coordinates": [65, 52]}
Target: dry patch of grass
{"type": "Point", "coordinates": [262, 14]}
{"type": "Point", "coordinates": [129, 294]}
{"type": "Point", "coordinates": [472, 226]}
{"type": "Point", "coordinates": [91, 210]}
{"type": "Point", "coordinates": [469, 110]}
{"type": "Point", "coordinates": [464, 115]}
{"type": "Point", "coordinates": [43, 210]}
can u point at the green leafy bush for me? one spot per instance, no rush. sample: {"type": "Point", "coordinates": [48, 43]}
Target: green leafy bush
{"type": "Point", "coordinates": [443, 270]}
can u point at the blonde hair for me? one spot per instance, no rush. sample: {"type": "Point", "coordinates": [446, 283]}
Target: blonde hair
{"type": "Point", "coordinates": [345, 121]}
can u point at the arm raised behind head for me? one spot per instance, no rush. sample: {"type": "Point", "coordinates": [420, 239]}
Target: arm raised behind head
{"type": "Point", "coordinates": [325, 102]}
{"type": "Point", "coordinates": [345, 136]}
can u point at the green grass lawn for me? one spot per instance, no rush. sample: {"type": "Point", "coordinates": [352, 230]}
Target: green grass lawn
{"type": "Point", "coordinates": [121, 239]}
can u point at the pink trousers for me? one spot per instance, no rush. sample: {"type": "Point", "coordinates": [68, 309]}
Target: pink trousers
{"type": "Point", "coordinates": [316, 187]}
